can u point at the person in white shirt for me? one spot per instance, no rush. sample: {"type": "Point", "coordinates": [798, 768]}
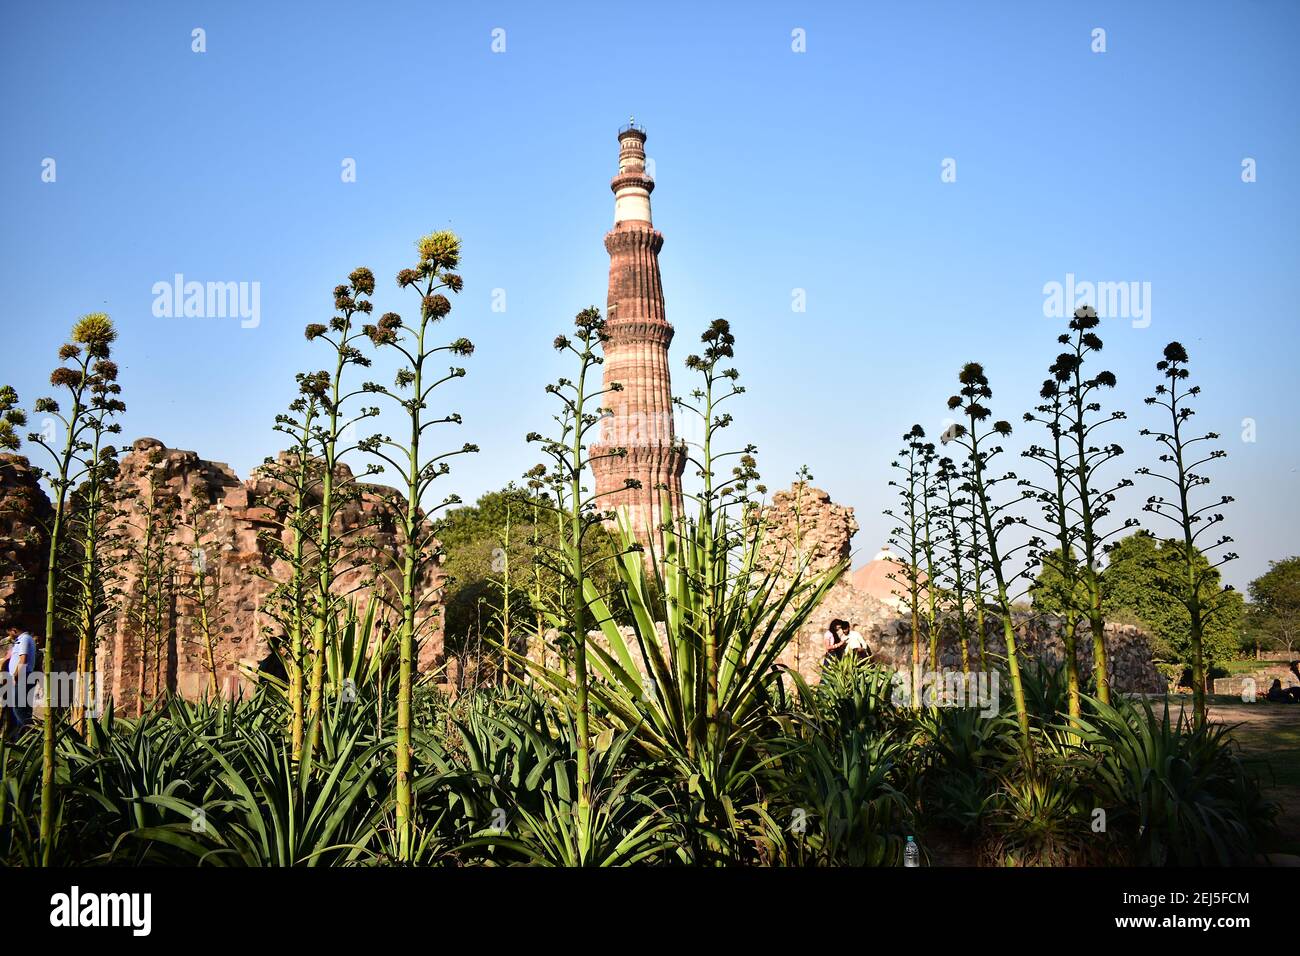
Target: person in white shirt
{"type": "Point", "coordinates": [21, 662]}
{"type": "Point", "coordinates": [856, 643]}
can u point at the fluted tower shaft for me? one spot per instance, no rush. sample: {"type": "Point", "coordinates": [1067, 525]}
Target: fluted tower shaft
{"type": "Point", "coordinates": [636, 357]}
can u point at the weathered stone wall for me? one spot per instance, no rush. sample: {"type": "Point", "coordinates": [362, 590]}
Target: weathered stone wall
{"type": "Point", "coordinates": [804, 527]}
{"type": "Point", "coordinates": [1263, 678]}
{"type": "Point", "coordinates": [234, 516]}
{"type": "Point", "coordinates": [25, 513]}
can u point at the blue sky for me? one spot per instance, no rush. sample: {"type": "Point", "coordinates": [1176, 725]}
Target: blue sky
{"type": "Point", "coordinates": [776, 171]}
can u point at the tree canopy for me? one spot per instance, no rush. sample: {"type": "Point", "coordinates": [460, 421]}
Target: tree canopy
{"type": "Point", "coordinates": [1138, 581]}
{"type": "Point", "coordinates": [473, 538]}
{"type": "Point", "coordinates": [1275, 603]}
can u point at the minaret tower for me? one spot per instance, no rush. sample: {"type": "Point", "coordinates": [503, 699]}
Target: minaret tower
{"type": "Point", "coordinates": [636, 357]}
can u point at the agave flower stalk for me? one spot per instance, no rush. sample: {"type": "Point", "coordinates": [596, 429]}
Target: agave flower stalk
{"type": "Point", "coordinates": [535, 478]}
{"type": "Point", "coordinates": [1059, 507]}
{"type": "Point", "coordinates": [578, 509]}
{"type": "Point", "coordinates": [948, 481]}
{"type": "Point", "coordinates": [147, 554]}
{"type": "Point", "coordinates": [439, 254]}
{"type": "Point", "coordinates": [712, 524]}
{"type": "Point", "coordinates": [90, 343]}
{"type": "Point", "coordinates": [978, 561]}
{"type": "Point", "coordinates": [203, 588]}
{"type": "Point", "coordinates": [1093, 497]}
{"type": "Point", "coordinates": [164, 621]}
{"type": "Point", "coordinates": [88, 573]}
{"type": "Point", "coordinates": [908, 536]}
{"type": "Point", "coordinates": [142, 556]}
{"type": "Point", "coordinates": [994, 517]}
{"type": "Point", "coordinates": [929, 522]}
{"type": "Point", "coordinates": [803, 480]}
{"type": "Point", "coordinates": [505, 612]}
{"type": "Point", "coordinates": [1183, 455]}
{"type": "Point", "coordinates": [294, 476]}
{"type": "Point", "coordinates": [330, 442]}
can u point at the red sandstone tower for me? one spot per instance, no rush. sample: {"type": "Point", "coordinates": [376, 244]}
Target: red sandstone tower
{"type": "Point", "coordinates": [636, 356]}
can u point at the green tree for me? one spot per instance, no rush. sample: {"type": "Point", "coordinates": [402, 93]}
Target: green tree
{"type": "Point", "coordinates": [473, 540]}
{"type": "Point", "coordinates": [1144, 577]}
{"type": "Point", "coordinates": [1275, 597]}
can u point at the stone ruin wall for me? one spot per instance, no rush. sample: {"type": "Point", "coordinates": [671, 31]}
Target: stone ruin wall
{"type": "Point", "coordinates": [235, 515]}
{"type": "Point", "coordinates": [25, 513]}
{"type": "Point", "coordinates": [803, 523]}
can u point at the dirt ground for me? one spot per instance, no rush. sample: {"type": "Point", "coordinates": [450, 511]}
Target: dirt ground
{"type": "Point", "coordinates": [1269, 737]}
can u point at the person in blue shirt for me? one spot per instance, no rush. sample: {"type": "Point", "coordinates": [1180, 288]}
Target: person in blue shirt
{"type": "Point", "coordinates": [19, 666]}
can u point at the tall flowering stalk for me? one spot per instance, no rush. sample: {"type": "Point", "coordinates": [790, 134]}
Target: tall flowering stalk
{"type": "Point", "coordinates": [952, 539]}
{"type": "Point", "coordinates": [977, 438]}
{"type": "Point", "coordinates": [1059, 507]}
{"type": "Point", "coordinates": [1093, 494]}
{"type": "Point", "coordinates": [331, 441]}
{"type": "Point", "coordinates": [913, 461]}
{"type": "Point", "coordinates": [978, 560]}
{"type": "Point", "coordinates": [579, 512]}
{"type": "Point", "coordinates": [1182, 456]}
{"type": "Point", "coordinates": [715, 532]}
{"type": "Point", "coordinates": [12, 417]}
{"type": "Point", "coordinates": [535, 479]}
{"type": "Point", "coordinates": [203, 588]}
{"type": "Point", "coordinates": [293, 477]}
{"type": "Point", "coordinates": [82, 377]}
{"type": "Point", "coordinates": [930, 516]}
{"type": "Point", "coordinates": [88, 571]}
{"type": "Point", "coordinates": [439, 254]}
{"type": "Point", "coordinates": [148, 555]}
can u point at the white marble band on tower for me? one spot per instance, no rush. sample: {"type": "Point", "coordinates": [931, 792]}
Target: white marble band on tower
{"type": "Point", "coordinates": [632, 186]}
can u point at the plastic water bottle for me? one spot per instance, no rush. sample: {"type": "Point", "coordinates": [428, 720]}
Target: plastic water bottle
{"type": "Point", "coordinates": [911, 853]}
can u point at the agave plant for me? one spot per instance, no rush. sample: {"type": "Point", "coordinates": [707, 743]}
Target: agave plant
{"type": "Point", "coordinates": [966, 753]}
{"type": "Point", "coordinates": [626, 825]}
{"type": "Point", "coordinates": [759, 614]}
{"type": "Point", "coordinates": [1040, 818]}
{"type": "Point", "coordinates": [262, 811]}
{"type": "Point", "coordinates": [1176, 790]}
{"type": "Point", "coordinates": [853, 813]}
{"type": "Point", "coordinates": [666, 709]}
{"type": "Point", "coordinates": [359, 666]}
{"type": "Point", "coordinates": [20, 808]}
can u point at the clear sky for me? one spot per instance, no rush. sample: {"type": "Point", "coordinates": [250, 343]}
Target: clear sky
{"type": "Point", "coordinates": [777, 171]}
